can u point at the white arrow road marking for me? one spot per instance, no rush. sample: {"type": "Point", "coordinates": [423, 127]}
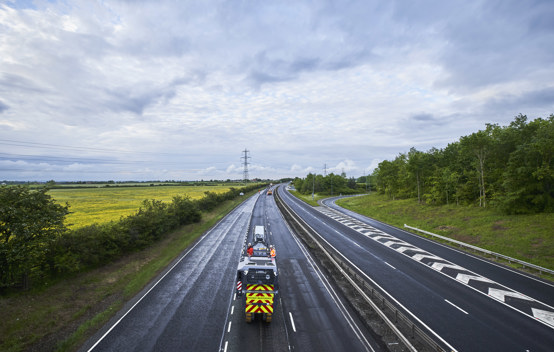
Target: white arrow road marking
{"type": "Point", "coordinates": [501, 294]}
{"type": "Point", "coordinates": [465, 278]}
{"type": "Point", "coordinates": [544, 315]}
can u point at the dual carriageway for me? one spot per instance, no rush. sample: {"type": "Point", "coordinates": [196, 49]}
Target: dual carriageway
{"type": "Point", "coordinates": [192, 306]}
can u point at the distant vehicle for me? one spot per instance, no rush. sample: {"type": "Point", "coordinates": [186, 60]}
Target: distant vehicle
{"type": "Point", "coordinates": [257, 280]}
{"type": "Point", "coordinates": [241, 193]}
{"type": "Point", "coordinates": [269, 192]}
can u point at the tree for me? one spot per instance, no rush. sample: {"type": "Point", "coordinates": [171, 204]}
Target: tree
{"type": "Point", "coordinates": [416, 166]}
{"type": "Point", "coordinates": [529, 174]}
{"type": "Point", "coordinates": [29, 222]}
{"type": "Point", "coordinates": [479, 143]}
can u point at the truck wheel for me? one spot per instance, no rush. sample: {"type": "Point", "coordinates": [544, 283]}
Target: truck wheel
{"type": "Point", "coordinates": [268, 317]}
{"type": "Point", "coordinates": [248, 317]}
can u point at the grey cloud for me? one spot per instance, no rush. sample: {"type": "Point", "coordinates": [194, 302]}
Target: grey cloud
{"type": "Point", "coordinates": [3, 107]}
{"type": "Point", "coordinates": [12, 82]}
{"type": "Point", "coordinates": [542, 99]}
{"type": "Point", "coordinates": [423, 117]}
{"type": "Point", "coordinates": [500, 44]}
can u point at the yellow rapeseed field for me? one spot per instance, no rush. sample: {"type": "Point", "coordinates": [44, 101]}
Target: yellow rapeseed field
{"type": "Point", "coordinates": [104, 204]}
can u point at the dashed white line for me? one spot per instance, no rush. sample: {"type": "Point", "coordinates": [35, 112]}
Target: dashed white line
{"type": "Point", "coordinates": [229, 328]}
{"type": "Point", "coordinates": [292, 322]}
{"type": "Point", "coordinates": [225, 348]}
{"type": "Point", "coordinates": [232, 309]}
{"type": "Point", "coordinates": [390, 265]}
{"type": "Point", "coordinates": [455, 306]}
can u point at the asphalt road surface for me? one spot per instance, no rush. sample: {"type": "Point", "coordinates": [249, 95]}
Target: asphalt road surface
{"type": "Point", "coordinates": [192, 305]}
{"type": "Point", "coordinates": [465, 302]}
{"type": "Point", "coordinates": [310, 315]}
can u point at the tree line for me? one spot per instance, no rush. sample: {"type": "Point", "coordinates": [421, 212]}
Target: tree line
{"type": "Point", "coordinates": [36, 245]}
{"type": "Point", "coordinates": [331, 184]}
{"type": "Point", "coordinates": [507, 167]}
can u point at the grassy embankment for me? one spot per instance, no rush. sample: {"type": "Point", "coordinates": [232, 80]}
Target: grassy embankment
{"type": "Point", "coordinates": [525, 237]}
{"type": "Point", "coordinates": [63, 315]}
{"type": "Point", "coordinates": [104, 204]}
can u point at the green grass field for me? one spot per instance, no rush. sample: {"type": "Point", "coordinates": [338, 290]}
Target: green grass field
{"type": "Point", "coordinates": [104, 204]}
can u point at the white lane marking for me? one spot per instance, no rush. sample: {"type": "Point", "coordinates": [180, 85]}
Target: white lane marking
{"type": "Point", "coordinates": [230, 215]}
{"type": "Point", "coordinates": [357, 244]}
{"type": "Point", "coordinates": [308, 214]}
{"type": "Point", "coordinates": [390, 265]}
{"type": "Point", "coordinates": [498, 294]}
{"type": "Point", "coordinates": [232, 309]}
{"type": "Point", "coordinates": [225, 349]}
{"type": "Point", "coordinates": [229, 328]}
{"type": "Point", "coordinates": [235, 297]}
{"type": "Point", "coordinates": [365, 218]}
{"type": "Point", "coordinates": [455, 306]}
{"type": "Point", "coordinates": [331, 292]}
{"type": "Point", "coordinates": [292, 322]}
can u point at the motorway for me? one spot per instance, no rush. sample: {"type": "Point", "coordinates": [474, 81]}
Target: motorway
{"type": "Point", "coordinates": [192, 305]}
{"type": "Point", "coordinates": [466, 303]}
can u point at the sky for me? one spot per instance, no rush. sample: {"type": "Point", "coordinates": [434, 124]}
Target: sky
{"type": "Point", "coordinates": [177, 90]}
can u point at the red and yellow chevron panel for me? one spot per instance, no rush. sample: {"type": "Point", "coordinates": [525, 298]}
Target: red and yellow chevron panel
{"type": "Point", "coordinates": [254, 287]}
{"type": "Point", "coordinates": [258, 309]}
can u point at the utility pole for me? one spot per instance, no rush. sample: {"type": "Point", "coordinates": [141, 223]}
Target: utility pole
{"type": "Point", "coordinates": [313, 186]}
{"type": "Point", "coordinates": [325, 170]}
{"type": "Point", "coordinates": [245, 164]}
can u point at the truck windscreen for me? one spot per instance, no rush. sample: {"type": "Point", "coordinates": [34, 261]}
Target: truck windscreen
{"type": "Point", "coordinates": [260, 276]}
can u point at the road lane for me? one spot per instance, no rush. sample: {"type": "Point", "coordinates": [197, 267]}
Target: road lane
{"type": "Point", "coordinates": [427, 293]}
{"type": "Point", "coordinates": [186, 309]}
{"type": "Point", "coordinates": [311, 314]}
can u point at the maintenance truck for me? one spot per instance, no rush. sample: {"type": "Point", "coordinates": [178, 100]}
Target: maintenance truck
{"type": "Point", "coordinates": [257, 279]}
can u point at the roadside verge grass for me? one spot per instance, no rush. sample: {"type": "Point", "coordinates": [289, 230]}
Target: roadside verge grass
{"type": "Point", "coordinates": [525, 237]}
{"type": "Point", "coordinates": [61, 316]}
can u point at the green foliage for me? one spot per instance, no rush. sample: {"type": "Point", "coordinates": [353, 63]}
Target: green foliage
{"type": "Point", "coordinates": [328, 185]}
{"type": "Point", "coordinates": [34, 240]}
{"type": "Point", "coordinates": [511, 168]}
{"type": "Point", "coordinates": [29, 222]}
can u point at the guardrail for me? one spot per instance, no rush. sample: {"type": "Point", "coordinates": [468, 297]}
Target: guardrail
{"type": "Point", "coordinates": [399, 323]}
{"type": "Point", "coordinates": [486, 251]}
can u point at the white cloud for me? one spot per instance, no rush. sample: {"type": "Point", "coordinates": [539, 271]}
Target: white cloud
{"type": "Point", "coordinates": [162, 84]}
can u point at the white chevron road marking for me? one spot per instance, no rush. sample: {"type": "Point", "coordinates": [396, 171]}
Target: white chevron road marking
{"type": "Point", "coordinates": [439, 266]}
{"type": "Point", "coordinates": [465, 278]}
{"type": "Point", "coordinates": [404, 248]}
{"type": "Point", "coordinates": [420, 256]}
{"type": "Point", "coordinates": [544, 315]}
{"type": "Point", "coordinates": [501, 294]}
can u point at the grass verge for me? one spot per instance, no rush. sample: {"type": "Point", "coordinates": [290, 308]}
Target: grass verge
{"type": "Point", "coordinates": [525, 237]}
{"type": "Point", "coordinates": [62, 315]}
{"type": "Point", "coordinates": [308, 197]}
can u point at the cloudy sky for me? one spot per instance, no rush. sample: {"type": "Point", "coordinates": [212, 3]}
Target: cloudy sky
{"type": "Point", "coordinates": [177, 90]}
